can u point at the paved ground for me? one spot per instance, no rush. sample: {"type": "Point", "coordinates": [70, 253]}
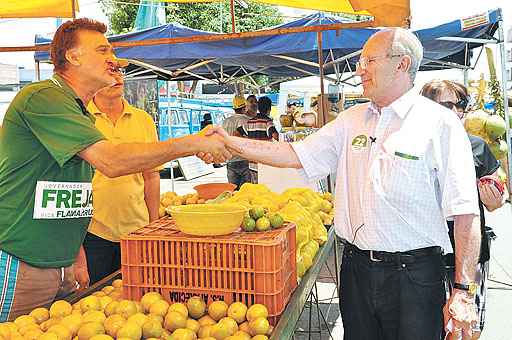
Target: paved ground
{"type": "Point", "coordinates": [498, 325]}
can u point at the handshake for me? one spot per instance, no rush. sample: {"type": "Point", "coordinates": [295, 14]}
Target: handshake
{"type": "Point", "coordinates": [214, 145]}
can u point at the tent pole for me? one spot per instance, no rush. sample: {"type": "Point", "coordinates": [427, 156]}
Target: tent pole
{"type": "Point", "coordinates": [321, 117]}
{"type": "Point", "coordinates": [38, 71]}
{"type": "Point", "coordinates": [73, 8]}
{"type": "Point", "coordinates": [466, 77]}
{"type": "Point", "coordinates": [232, 6]}
{"type": "Point", "coordinates": [501, 37]}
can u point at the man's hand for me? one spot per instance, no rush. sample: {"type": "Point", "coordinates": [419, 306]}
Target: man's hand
{"type": "Point", "coordinates": [80, 270]}
{"type": "Point", "coordinates": [460, 309]}
{"type": "Point", "coordinates": [490, 196]}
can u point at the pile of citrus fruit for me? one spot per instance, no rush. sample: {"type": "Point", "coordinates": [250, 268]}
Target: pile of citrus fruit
{"type": "Point", "coordinates": [104, 315]}
{"type": "Point", "coordinates": [259, 219]}
{"type": "Point", "coordinates": [171, 198]}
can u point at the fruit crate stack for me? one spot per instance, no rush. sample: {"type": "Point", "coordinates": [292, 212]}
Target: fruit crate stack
{"type": "Point", "coordinates": [249, 267]}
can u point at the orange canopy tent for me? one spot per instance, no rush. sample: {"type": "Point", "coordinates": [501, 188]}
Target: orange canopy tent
{"type": "Point", "coordinates": [384, 12]}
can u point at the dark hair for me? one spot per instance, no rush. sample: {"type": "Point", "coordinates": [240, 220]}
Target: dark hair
{"type": "Point", "coordinates": [251, 96]}
{"type": "Point", "coordinates": [66, 38]}
{"type": "Point", "coordinates": [264, 105]}
{"type": "Point", "coordinates": [435, 88]}
{"type": "Point", "coordinates": [240, 110]}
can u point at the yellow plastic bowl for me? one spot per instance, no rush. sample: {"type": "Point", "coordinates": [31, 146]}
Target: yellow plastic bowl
{"type": "Point", "coordinates": [207, 219]}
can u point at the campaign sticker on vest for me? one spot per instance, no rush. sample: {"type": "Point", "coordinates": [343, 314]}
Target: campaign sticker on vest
{"type": "Point", "coordinates": [359, 143]}
{"type": "Point", "coordinates": [57, 200]}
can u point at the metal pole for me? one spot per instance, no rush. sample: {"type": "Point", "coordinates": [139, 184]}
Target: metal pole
{"type": "Point", "coordinates": [73, 8]}
{"type": "Point", "coordinates": [321, 117]}
{"type": "Point", "coordinates": [170, 131]}
{"type": "Point", "coordinates": [501, 37]}
{"type": "Point", "coordinates": [466, 77]}
{"type": "Point", "coordinates": [232, 5]}
{"type": "Point", "coordinates": [38, 71]}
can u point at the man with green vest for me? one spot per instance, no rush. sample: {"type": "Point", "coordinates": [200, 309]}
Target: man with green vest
{"type": "Point", "coordinates": [48, 148]}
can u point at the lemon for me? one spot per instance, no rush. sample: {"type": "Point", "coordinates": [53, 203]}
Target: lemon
{"type": "Point", "coordinates": [260, 337]}
{"type": "Point", "coordinates": [148, 299]}
{"type": "Point", "coordinates": [113, 323]}
{"type": "Point", "coordinates": [257, 212]}
{"type": "Point", "coordinates": [32, 334]}
{"type": "Point", "coordinates": [48, 336]}
{"type": "Point", "coordinates": [24, 320]}
{"type": "Point", "coordinates": [193, 325]}
{"type": "Point", "coordinates": [40, 314]}
{"type": "Point", "coordinates": [174, 320]}
{"type": "Point", "coordinates": [102, 337]}
{"type": "Point", "coordinates": [93, 316]}
{"type": "Point", "coordinates": [90, 329]}
{"type": "Point", "coordinates": [130, 330]}
{"type": "Point", "coordinates": [126, 308]}
{"type": "Point", "coordinates": [104, 301]}
{"type": "Point", "coordinates": [5, 330]}
{"type": "Point", "coordinates": [196, 307]}
{"type": "Point", "coordinates": [183, 334]}
{"type": "Point", "coordinates": [259, 326]}
{"type": "Point", "coordinates": [72, 322]}
{"type": "Point", "coordinates": [158, 318]}
{"type": "Point", "coordinates": [204, 331]}
{"type": "Point", "coordinates": [217, 310]}
{"type": "Point", "coordinates": [138, 318]}
{"type": "Point", "coordinates": [159, 308]}
{"type": "Point", "coordinates": [237, 311]}
{"type": "Point", "coordinates": [220, 331]}
{"type": "Point", "coordinates": [230, 323]}
{"type": "Point", "coordinates": [242, 335]}
{"type": "Point", "coordinates": [98, 294]}
{"type": "Point", "coordinates": [62, 332]}
{"type": "Point", "coordinates": [45, 325]}
{"type": "Point", "coordinates": [28, 327]}
{"type": "Point", "coordinates": [256, 311]}
{"type": "Point", "coordinates": [152, 328]}
{"type": "Point", "coordinates": [263, 224]}
{"type": "Point", "coordinates": [107, 289]}
{"type": "Point", "coordinates": [117, 283]}
{"type": "Point", "coordinates": [60, 309]}
{"type": "Point", "coordinates": [110, 309]}
{"type": "Point", "coordinates": [180, 308]}
{"type": "Point", "coordinates": [206, 320]}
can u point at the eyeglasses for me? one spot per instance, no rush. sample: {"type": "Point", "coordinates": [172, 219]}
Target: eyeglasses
{"type": "Point", "coordinates": [363, 62]}
{"type": "Point", "coordinates": [462, 104]}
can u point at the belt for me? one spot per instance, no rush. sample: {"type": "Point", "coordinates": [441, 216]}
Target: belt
{"type": "Point", "coordinates": [384, 256]}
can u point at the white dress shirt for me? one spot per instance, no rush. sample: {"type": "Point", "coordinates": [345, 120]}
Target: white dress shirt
{"type": "Point", "coordinates": [399, 172]}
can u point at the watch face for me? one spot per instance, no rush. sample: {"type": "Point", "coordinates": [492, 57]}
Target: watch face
{"type": "Point", "coordinates": [472, 288]}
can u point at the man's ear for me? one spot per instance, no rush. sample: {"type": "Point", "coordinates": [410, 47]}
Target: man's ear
{"type": "Point", "coordinates": [73, 56]}
{"type": "Point", "coordinates": [405, 63]}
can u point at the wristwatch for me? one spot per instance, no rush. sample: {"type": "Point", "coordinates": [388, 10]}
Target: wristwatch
{"type": "Point", "coordinates": [470, 288]}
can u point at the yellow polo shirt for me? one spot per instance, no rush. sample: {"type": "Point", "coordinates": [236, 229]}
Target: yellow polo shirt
{"type": "Point", "coordinates": [119, 205]}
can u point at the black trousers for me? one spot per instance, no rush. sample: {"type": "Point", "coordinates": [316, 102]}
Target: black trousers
{"type": "Point", "coordinates": [400, 300]}
{"type": "Point", "coordinates": [103, 257]}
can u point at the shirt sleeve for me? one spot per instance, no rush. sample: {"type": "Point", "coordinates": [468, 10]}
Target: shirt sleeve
{"type": "Point", "coordinates": [64, 131]}
{"type": "Point", "coordinates": [456, 171]}
{"type": "Point", "coordinates": [319, 152]}
{"type": "Point", "coordinates": [485, 162]}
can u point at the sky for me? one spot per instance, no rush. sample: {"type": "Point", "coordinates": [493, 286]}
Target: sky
{"type": "Point", "coordinates": [424, 14]}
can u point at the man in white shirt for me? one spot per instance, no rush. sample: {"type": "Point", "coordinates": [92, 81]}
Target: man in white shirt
{"type": "Point", "coordinates": [403, 165]}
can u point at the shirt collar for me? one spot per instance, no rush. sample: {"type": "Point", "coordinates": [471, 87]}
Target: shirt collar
{"type": "Point", "coordinates": [60, 82]}
{"type": "Point", "coordinates": [127, 108]}
{"type": "Point", "coordinates": [400, 106]}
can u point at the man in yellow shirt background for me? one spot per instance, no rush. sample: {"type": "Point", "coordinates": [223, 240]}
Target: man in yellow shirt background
{"type": "Point", "coordinates": [122, 204]}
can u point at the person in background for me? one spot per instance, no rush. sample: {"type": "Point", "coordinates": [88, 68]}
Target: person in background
{"type": "Point", "coordinates": [48, 149]}
{"type": "Point", "coordinates": [137, 196]}
{"type": "Point", "coordinates": [207, 120]}
{"type": "Point", "coordinates": [403, 166]}
{"type": "Point", "coordinates": [454, 96]}
{"type": "Point", "coordinates": [237, 168]}
{"type": "Point", "coordinates": [251, 109]}
{"type": "Point", "coordinates": [260, 127]}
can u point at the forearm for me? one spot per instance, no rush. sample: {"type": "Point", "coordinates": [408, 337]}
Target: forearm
{"type": "Point", "coordinates": [122, 159]}
{"type": "Point", "coordinates": [81, 259]}
{"type": "Point", "coordinates": [467, 247]}
{"type": "Point", "coordinates": [152, 193]}
{"type": "Point", "coordinates": [279, 154]}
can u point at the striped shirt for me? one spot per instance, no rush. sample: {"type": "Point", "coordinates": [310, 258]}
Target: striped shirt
{"type": "Point", "coordinates": [399, 172]}
{"type": "Point", "coordinates": [260, 127]}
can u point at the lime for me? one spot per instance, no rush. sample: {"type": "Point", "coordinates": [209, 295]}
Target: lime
{"type": "Point", "coordinates": [276, 221]}
{"type": "Point", "coordinates": [263, 224]}
{"type": "Point", "coordinates": [257, 212]}
{"type": "Point", "coordinates": [248, 224]}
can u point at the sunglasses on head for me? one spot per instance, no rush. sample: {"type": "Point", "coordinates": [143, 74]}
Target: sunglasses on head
{"type": "Point", "coordinates": [462, 104]}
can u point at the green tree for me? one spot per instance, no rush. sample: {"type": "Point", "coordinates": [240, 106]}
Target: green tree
{"type": "Point", "coordinates": [202, 16]}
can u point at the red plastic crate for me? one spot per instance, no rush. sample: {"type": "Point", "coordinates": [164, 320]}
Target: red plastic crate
{"type": "Point", "coordinates": [257, 267]}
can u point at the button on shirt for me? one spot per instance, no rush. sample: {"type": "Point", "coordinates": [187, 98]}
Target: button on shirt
{"type": "Point", "coordinates": [400, 172]}
{"type": "Point", "coordinates": [119, 205]}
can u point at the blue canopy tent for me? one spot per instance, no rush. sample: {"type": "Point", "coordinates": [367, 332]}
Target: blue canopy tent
{"type": "Point", "coordinates": [289, 55]}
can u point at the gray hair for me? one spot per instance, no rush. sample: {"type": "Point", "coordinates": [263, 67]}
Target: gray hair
{"type": "Point", "coordinates": [406, 43]}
